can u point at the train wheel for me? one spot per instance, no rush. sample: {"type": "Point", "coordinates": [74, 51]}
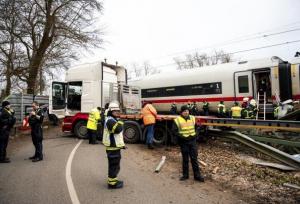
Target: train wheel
{"type": "Point", "coordinates": [132, 132]}
{"type": "Point", "coordinates": [80, 130]}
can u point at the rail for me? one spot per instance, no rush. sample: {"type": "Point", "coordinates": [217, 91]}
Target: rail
{"type": "Point", "coordinates": [268, 150]}
{"type": "Point", "coordinates": [245, 123]}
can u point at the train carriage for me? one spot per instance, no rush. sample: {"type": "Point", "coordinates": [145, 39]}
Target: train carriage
{"type": "Point", "coordinates": [228, 82]}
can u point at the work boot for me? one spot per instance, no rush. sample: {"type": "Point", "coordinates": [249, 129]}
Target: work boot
{"type": "Point", "coordinates": [33, 157]}
{"type": "Point", "coordinates": [199, 178]}
{"type": "Point", "coordinates": [183, 178]}
{"type": "Point", "coordinates": [119, 184]}
{"type": "Point", "coordinates": [6, 160]}
{"type": "Point", "coordinates": [150, 146]}
{"type": "Point", "coordinates": [37, 159]}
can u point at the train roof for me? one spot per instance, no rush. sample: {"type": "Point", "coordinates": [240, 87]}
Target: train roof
{"type": "Point", "coordinates": [207, 74]}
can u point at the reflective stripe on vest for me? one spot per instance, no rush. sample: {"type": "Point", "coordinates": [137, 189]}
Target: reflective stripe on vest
{"type": "Point", "coordinates": [221, 106]}
{"type": "Point", "coordinates": [186, 127]}
{"type": "Point", "coordinates": [119, 139]}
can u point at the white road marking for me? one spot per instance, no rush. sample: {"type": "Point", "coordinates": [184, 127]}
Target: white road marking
{"type": "Point", "coordinates": [70, 184]}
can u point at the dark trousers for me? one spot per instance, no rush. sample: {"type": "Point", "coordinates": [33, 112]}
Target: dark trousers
{"type": "Point", "coordinates": [4, 137]}
{"type": "Point", "coordinates": [92, 136]}
{"type": "Point", "coordinates": [189, 150]}
{"type": "Point", "coordinates": [114, 158]}
{"type": "Point", "coordinates": [37, 140]}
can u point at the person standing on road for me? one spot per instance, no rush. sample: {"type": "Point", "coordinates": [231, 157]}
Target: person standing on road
{"type": "Point", "coordinates": [113, 141]}
{"type": "Point", "coordinates": [7, 121]}
{"type": "Point", "coordinates": [184, 129]}
{"type": "Point", "coordinates": [92, 124]}
{"type": "Point", "coordinates": [36, 118]}
{"type": "Point", "coordinates": [149, 118]}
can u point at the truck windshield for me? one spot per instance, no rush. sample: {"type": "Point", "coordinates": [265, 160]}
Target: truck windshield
{"type": "Point", "coordinates": [74, 95]}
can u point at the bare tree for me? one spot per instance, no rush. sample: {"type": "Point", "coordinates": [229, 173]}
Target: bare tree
{"type": "Point", "coordinates": [179, 63]}
{"type": "Point", "coordinates": [136, 69]}
{"type": "Point", "coordinates": [48, 32]}
{"type": "Point", "coordinates": [189, 63]}
{"type": "Point", "coordinates": [200, 60]}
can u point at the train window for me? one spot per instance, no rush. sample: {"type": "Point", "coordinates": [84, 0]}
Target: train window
{"type": "Point", "coordinates": [185, 90]}
{"type": "Point", "coordinates": [170, 89]}
{"type": "Point", "coordinates": [152, 90]}
{"type": "Point", "coordinates": [243, 84]}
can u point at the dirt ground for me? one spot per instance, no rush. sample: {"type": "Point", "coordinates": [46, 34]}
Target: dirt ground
{"type": "Point", "coordinates": [225, 168]}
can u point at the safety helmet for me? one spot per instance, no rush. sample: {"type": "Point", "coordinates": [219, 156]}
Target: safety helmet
{"type": "Point", "coordinates": [246, 99]}
{"type": "Point", "coordinates": [114, 106]}
{"type": "Point", "coordinates": [253, 102]}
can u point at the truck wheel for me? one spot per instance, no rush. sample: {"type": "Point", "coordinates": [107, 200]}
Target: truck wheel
{"type": "Point", "coordinates": [53, 119]}
{"type": "Point", "coordinates": [160, 135]}
{"type": "Point", "coordinates": [132, 132]}
{"type": "Point", "coordinates": [80, 130]}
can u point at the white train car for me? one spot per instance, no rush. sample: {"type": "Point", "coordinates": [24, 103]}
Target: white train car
{"type": "Point", "coordinates": [224, 82]}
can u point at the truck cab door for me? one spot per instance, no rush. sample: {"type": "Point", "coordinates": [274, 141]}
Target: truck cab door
{"type": "Point", "coordinates": [243, 85]}
{"type": "Point", "coordinates": [57, 99]}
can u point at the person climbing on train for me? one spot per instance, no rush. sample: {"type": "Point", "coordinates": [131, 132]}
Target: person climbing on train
{"type": "Point", "coordinates": [252, 109]}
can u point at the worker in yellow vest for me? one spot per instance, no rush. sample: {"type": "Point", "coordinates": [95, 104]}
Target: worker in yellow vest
{"type": "Point", "coordinates": [221, 110]}
{"type": "Point", "coordinates": [94, 118]}
{"type": "Point", "coordinates": [113, 141]}
{"type": "Point", "coordinates": [184, 129]}
{"type": "Point", "coordinates": [236, 110]}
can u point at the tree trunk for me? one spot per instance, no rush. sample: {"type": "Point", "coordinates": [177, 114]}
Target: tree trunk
{"type": "Point", "coordinates": [8, 81]}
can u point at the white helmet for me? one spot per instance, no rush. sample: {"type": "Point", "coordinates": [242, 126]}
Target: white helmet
{"type": "Point", "coordinates": [253, 102]}
{"type": "Point", "coordinates": [114, 106]}
{"type": "Point", "coordinates": [246, 99]}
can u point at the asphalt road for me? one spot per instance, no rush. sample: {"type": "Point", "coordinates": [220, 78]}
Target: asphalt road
{"type": "Point", "coordinates": [45, 182]}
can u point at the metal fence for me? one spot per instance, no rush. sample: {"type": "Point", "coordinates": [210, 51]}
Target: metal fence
{"type": "Point", "coordinates": [21, 103]}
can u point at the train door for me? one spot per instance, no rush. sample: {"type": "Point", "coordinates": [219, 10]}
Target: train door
{"type": "Point", "coordinates": [285, 81]}
{"type": "Point", "coordinates": [243, 85]}
{"type": "Point", "coordinates": [262, 84]}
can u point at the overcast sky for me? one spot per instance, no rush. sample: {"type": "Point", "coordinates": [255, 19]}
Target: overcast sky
{"type": "Point", "coordinates": [159, 30]}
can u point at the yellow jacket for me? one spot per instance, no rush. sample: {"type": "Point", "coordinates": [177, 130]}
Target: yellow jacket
{"type": "Point", "coordinates": [94, 117]}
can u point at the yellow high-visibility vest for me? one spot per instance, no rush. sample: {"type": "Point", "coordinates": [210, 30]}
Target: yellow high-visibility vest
{"type": "Point", "coordinates": [221, 107]}
{"type": "Point", "coordinates": [236, 111]}
{"type": "Point", "coordinates": [186, 127]}
{"type": "Point", "coordinates": [94, 117]}
{"type": "Point", "coordinates": [119, 138]}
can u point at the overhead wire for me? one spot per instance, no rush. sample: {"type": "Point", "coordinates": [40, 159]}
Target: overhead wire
{"type": "Point", "coordinates": [231, 53]}
{"type": "Point", "coordinates": [238, 39]}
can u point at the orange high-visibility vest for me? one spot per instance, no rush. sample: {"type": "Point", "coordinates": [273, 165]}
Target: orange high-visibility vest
{"type": "Point", "coordinates": [149, 114]}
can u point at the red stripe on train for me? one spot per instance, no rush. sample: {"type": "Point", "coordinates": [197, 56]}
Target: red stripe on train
{"type": "Point", "coordinates": [197, 100]}
{"type": "Point", "coordinates": [217, 99]}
